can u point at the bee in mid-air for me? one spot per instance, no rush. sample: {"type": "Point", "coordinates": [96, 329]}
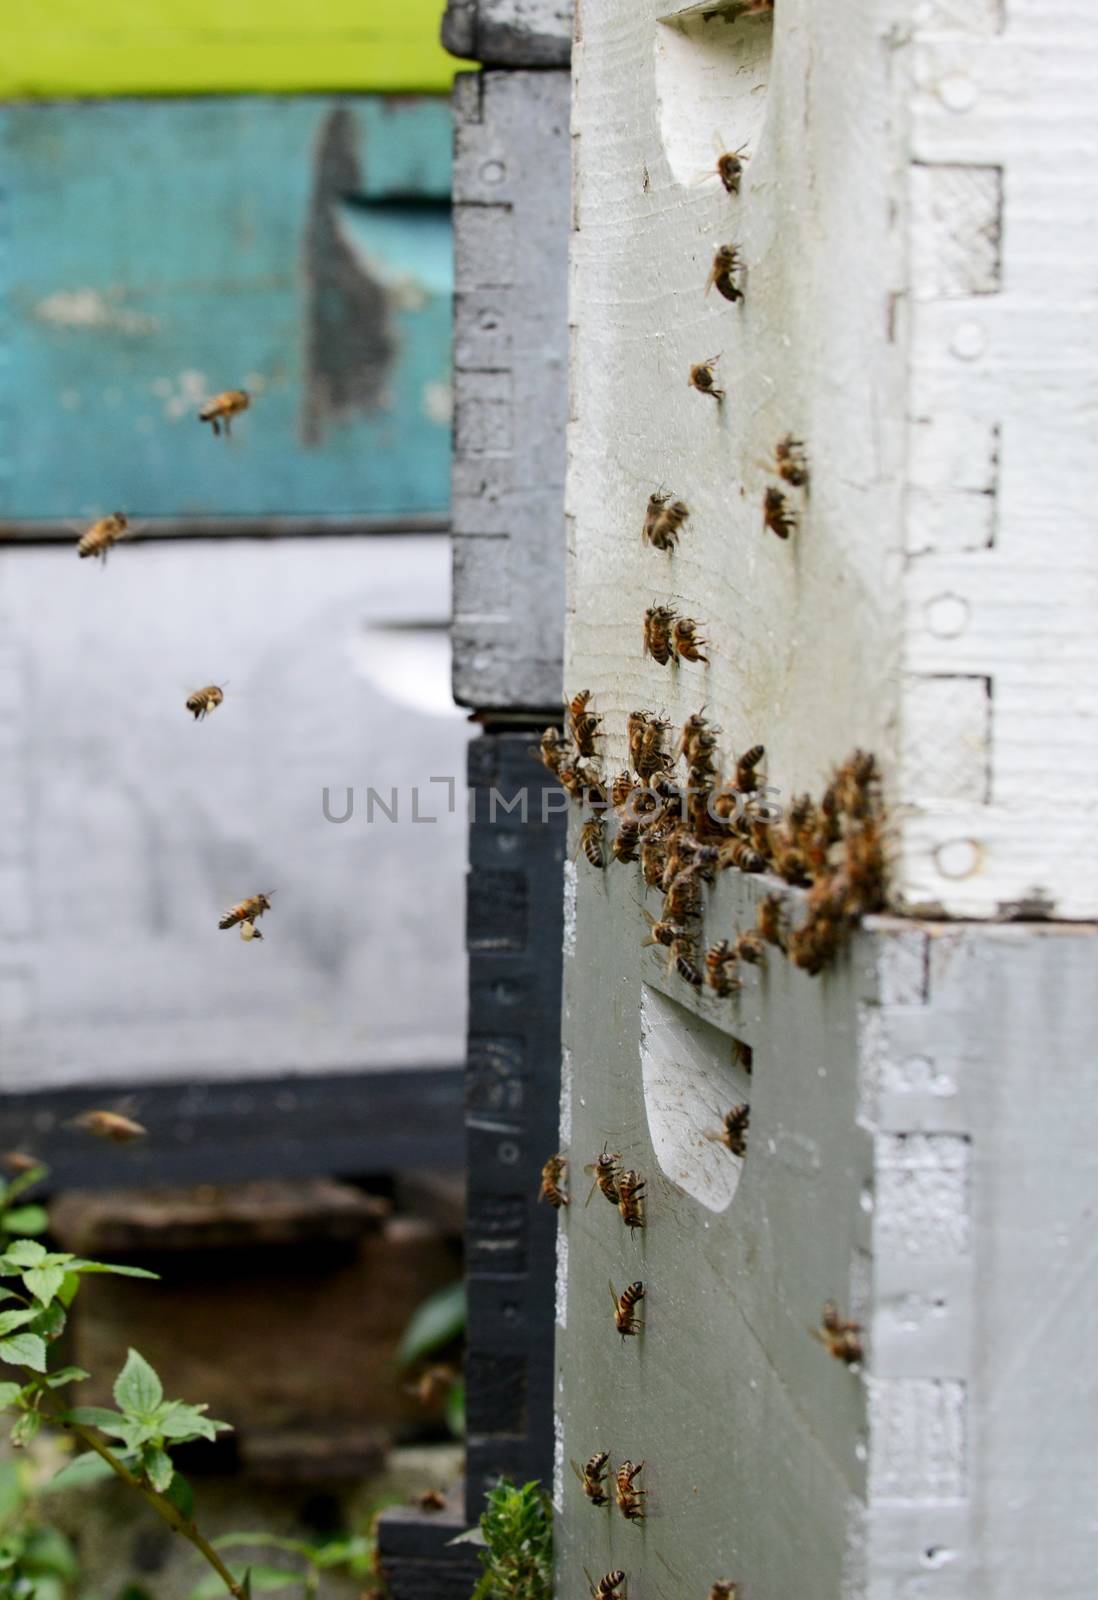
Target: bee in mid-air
{"type": "Point", "coordinates": [734, 1133]}
{"type": "Point", "coordinates": [775, 515]}
{"type": "Point", "coordinates": [246, 910]}
{"type": "Point", "coordinates": [791, 461]}
{"type": "Point", "coordinates": [431, 1500]}
{"type": "Point", "coordinates": [658, 623]}
{"type": "Point", "coordinates": [720, 969]}
{"type": "Point", "coordinates": [551, 1174]}
{"type": "Point", "coordinates": [552, 749]}
{"type": "Point", "coordinates": [110, 1125]}
{"type": "Point", "coordinates": [606, 1168]}
{"type": "Point", "coordinates": [584, 723]}
{"type": "Point", "coordinates": [102, 535]}
{"type": "Point", "coordinates": [686, 641]}
{"type": "Point", "coordinates": [433, 1384]}
{"type": "Point", "coordinates": [220, 411]}
{"type": "Point", "coordinates": [663, 522]}
{"type": "Point", "coordinates": [612, 1587]}
{"type": "Point", "coordinates": [203, 701]}
{"type": "Point", "coordinates": [626, 1320]}
{"type": "Point", "coordinates": [703, 378]}
{"type": "Point", "coordinates": [631, 1198]}
{"type": "Point", "coordinates": [746, 777]}
{"type": "Point", "coordinates": [630, 1499]}
{"type": "Point", "coordinates": [593, 1477]}
{"type": "Point", "coordinates": [727, 267]}
{"type": "Point", "coordinates": [838, 1335]}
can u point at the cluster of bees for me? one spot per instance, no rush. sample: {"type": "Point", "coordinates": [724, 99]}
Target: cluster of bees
{"type": "Point", "coordinates": [100, 538]}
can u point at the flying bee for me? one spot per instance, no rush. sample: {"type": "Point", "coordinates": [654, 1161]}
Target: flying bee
{"type": "Point", "coordinates": [612, 1587]}
{"type": "Point", "coordinates": [593, 1475]}
{"type": "Point", "coordinates": [720, 969]}
{"type": "Point", "coordinates": [791, 461]}
{"type": "Point", "coordinates": [723, 1589]}
{"type": "Point", "coordinates": [246, 910]}
{"type": "Point", "coordinates": [552, 749]}
{"type": "Point", "coordinates": [750, 948]}
{"type": "Point", "coordinates": [626, 1321]}
{"type": "Point", "coordinates": [663, 522]}
{"type": "Point", "coordinates": [768, 920]}
{"type": "Point", "coordinates": [431, 1500]}
{"type": "Point", "coordinates": [606, 1168]}
{"type": "Point", "coordinates": [839, 1336]}
{"type": "Point", "coordinates": [584, 723]}
{"type": "Point", "coordinates": [629, 1497]}
{"type": "Point", "coordinates": [631, 1198]}
{"type": "Point", "coordinates": [593, 842]}
{"type": "Point", "coordinates": [738, 853]}
{"type": "Point", "coordinates": [775, 515]}
{"type": "Point", "coordinates": [203, 701]}
{"type": "Point", "coordinates": [249, 931]}
{"type": "Point", "coordinates": [727, 266]}
{"type": "Point", "coordinates": [734, 1133]}
{"type": "Point", "coordinates": [551, 1174]}
{"type": "Point", "coordinates": [110, 1125]}
{"type": "Point", "coordinates": [626, 841]}
{"type": "Point", "coordinates": [433, 1384]}
{"type": "Point", "coordinates": [658, 622]}
{"type": "Point", "coordinates": [703, 379]}
{"type": "Point", "coordinates": [220, 411]}
{"type": "Point", "coordinates": [682, 954]}
{"type": "Point", "coordinates": [746, 776]}
{"type": "Point", "coordinates": [686, 641]}
{"type": "Point", "coordinates": [102, 535]}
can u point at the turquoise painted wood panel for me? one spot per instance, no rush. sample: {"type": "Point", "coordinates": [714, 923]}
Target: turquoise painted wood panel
{"type": "Point", "coordinates": [154, 252]}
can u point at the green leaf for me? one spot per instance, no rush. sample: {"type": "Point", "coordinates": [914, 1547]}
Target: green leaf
{"type": "Point", "coordinates": [137, 1388]}
{"type": "Point", "coordinates": [63, 1375]}
{"type": "Point", "coordinates": [87, 1468]}
{"type": "Point", "coordinates": [49, 1551]}
{"type": "Point", "coordinates": [25, 1219]}
{"type": "Point", "coordinates": [101, 1417]}
{"type": "Point", "coordinates": [180, 1421]}
{"type": "Point", "coordinates": [158, 1467]}
{"type": "Point", "coordinates": [9, 1394]}
{"type": "Point", "coordinates": [25, 1181]}
{"type": "Point", "coordinates": [44, 1282]}
{"type": "Point", "coordinates": [78, 1264]}
{"type": "Point", "coordinates": [10, 1320]}
{"type": "Point", "coordinates": [455, 1409]}
{"type": "Point", "coordinates": [67, 1292]}
{"type": "Point", "coordinates": [24, 1350]}
{"type": "Point", "coordinates": [25, 1428]}
{"type": "Point", "coordinates": [25, 1252]}
{"type": "Point", "coordinates": [262, 1580]}
{"type": "Point", "coordinates": [50, 1320]}
{"type": "Point", "coordinates": [437, 1322]}
{"type": "Point", "coordinates": [181, 1495]}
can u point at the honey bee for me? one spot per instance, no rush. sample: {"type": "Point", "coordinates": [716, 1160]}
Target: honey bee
{"type": "Point", "coordinates": [431, 1500]}
{"type": "Point", "coordinates": [791, 864]}
{"type": "Point", "coordinates": [552, 749]}
{"type": "Point", "coordinates": [792, 463]}
{"type": "Point", "coordinates": [698, 741]}
{"type": "Point", "coordinates": [727, 266]}
{"type": "Point", "coordinates": [723, 1589]}
{"type": "Point", "coordinates": [631, 1198]}
{"type": "Point", "coordinates": [249, 931]}
{"type": "Point", "coordinates": [626, 841]}
{"type": "Point", "coordinates": [584, 723]}
{"type": "Point", "coordinates": [663, 523]}
{"type": "Point", "coordinates": [775, 515]}
{"type": "Point", "coordinates": [658, 622]}
{"type": "Point", "coordinates": [839, 1336]}
{"type": "Point", "coordinates": [742, 1055]}
{"type": "Point", "coordinates": [730, 168]}
{"type": "Point", "coordinates": [653, 852]}
{"type": "Point", "coordinates": [433, 1384]}
{"type": "Point", "coordinates": [746, 776]}
{"type": "Point", "coordinates": [768, 920]}
{"type": "Point", "coordinates": [734, 1133]}
{"type": "Point", "coordinates": [102, 535]}
{"type": "Point", "coordinates": [855, 784]}
{"type": "Point", "coordinates": [720, 969]}
{"type": "Point", "coordinates": [593, 1476]}
{"type": "Point", "coordinates": [738, 853]}
{"type": "Point", "coordinates": [703, 379]}
{"type": "Point", "coordinates": [629, 1497]}
{"type": "Point", "coordinates": [593, 842]}
{"type": "Point", "coordinates": [551, 1174]}
{"type": "Point", "coordinates": [220, 411]}
{"type": "Point", "coordinates": [626, 1321]}
{"type": "Point", "coordinates": [203, 701]}
{"type": "Point", "coordinates": [246, 910]}
{"type": "Point", "coordinates": [609, 1588]}
{"type": "Point", "coordinates": [682, 953]}
{"type": "Point", "coordinates": [621, 789]}
{"type": "Point", "coordinates": [110, 1125]}
{"type": "Point", "coordinates": [750, 948]}
{"type": "Point", "coordinates": [685, 640]}
{"type": "Point", "coordinates": [682, 902]}
{"type": "Point", "coordinates": [582, 782]}
{"type": "Point", "coordinates": [606, 1168]}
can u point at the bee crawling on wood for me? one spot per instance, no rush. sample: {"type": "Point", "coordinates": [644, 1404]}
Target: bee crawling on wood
{"type": "Point", "coordinates": [631, 1198]}
{"type": "Point", "coordinates": [612, 1587]}
{"type": "Point", "coordinates": [110, 1125]}
{"type": "Point", "coordinates": [683, 953]}
{"type": "Point", "coordinates": [730, 168]}
{"type": "Point", "coordinates": [593, 1476]}
{"type": "Point", "coordinates": [746, 775]}
{"type": "Point", "coordinates": [102, 535]}
{"type": "Point", "coordinates": [203, 701]}
{"type": "Point", "coordinates": [750, 948]}
{"type": "Point", "coordinates": [703, 379]}
{"type": "Point", "coordinates": [738, 853]}
{"type": "Point", "coordinates": [606, 1168]}
{"type": "Point", "coordinates": [552, 749]}
{"type": "Point", "coordinates": [593, 842]}
{"type": "Point", "coordinates": [727, 267]}
{"type": "Point", "coordinates": [663, 522]}
{"type": "Point", "coordinates": [626, 1320]}
{"type": "Point", "coordinates": [685, 640]}
{"type": "Point", "coordinates": [630, 1499]}
{"type": "Point", "coordinates": [551, 1174]}
{"type": "Point", "coordinates": [769, 921]}
{"type": "Point", "coordinates": [658, 624]}
{"type": "Point", "coordinates": [734, 1133]}
{"type": "Point", "coordinates": [723, 1589]}
{"type": "Point", "coordinates": [720, 969]}
{"type": "Point", "coordinates": [791, 461]}
{"type": "Point", "coordinates": [776, 517]}
{"type": "Point", "coordinates": [246, 910]}
{"type": "Point", "coordinates": [626, 841]}
{"type": "Point", "coordinates": [584, 723]}
{"type": "Point", "coordinates": [839, 1336]}
{"type": "Point", "coordinates": [220, 411]}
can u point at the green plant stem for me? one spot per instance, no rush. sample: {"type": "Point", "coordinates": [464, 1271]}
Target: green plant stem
{"type": "Point", "coordinates": [164, 1508]}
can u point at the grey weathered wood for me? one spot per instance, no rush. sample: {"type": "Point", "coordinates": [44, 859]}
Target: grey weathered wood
{"type": "Point", "coordinates": [511, 189]}
{"type": "Point", "coordinates": [510, 33]}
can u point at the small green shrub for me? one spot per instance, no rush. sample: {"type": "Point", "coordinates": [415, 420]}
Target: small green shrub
{"type": "Point", "coordinates": [517, 1530]}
